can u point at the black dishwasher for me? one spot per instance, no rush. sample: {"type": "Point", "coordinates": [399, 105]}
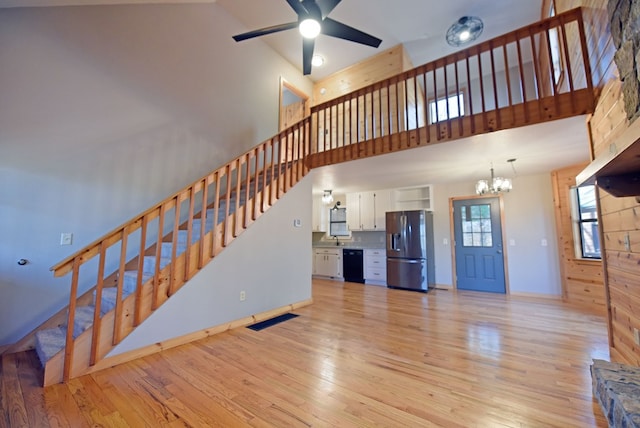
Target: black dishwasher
{"type": "Point", "coordinates": [352, 266]}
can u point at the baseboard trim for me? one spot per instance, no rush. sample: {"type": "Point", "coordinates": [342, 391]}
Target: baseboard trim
{"type": "Point", "coordinates": [557, 297]}
{"type": "Point", "coordinates": [191, 337]}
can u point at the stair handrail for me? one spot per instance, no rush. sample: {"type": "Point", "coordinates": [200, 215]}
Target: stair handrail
{"type": "Point", "coordinates": [243, 189]}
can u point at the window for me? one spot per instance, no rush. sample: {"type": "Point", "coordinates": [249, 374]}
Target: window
{"type": "Point", "coordinates": [585, 219]}
{"type": "Point", "coordinates": [554, 43]}
{"type": "Point", "coordinates": [438, 109]}
{"type": "Point", "coordinates": [476, 226]}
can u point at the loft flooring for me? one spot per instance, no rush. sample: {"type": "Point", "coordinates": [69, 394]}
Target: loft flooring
{"type": "Point", "coordinates": [361, 355]}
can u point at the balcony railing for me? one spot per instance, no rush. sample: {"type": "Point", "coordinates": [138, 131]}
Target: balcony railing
{"type": "Point", "coordinates": [534, 74]}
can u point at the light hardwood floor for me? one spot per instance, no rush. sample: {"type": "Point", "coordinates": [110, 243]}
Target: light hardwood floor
{"type": "Point", "coordinates": [359, 356]}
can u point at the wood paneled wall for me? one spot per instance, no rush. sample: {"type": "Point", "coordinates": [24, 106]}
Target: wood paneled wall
{"type": "Point", "coordinates": [582, 282]}
{"type": "Point", "coordinates": [365, 124]}
{"type": "Point", "coordinates": [374, 69]}
{"type": "Point", "coordinates": [620, 217]}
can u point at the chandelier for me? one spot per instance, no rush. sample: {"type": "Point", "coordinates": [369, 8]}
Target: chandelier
{"type": "Point", "coordinates": [495, 184]}
{"type": "Point", "coordinates": [327, 197]}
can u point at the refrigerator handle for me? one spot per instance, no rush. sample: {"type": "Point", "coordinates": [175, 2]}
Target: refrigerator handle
{"type": "Point", "coordinates": [393, 241]}
{"type": "Point", "coordinates": [403, 228]}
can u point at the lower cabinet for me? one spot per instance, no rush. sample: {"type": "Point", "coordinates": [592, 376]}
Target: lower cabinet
{"type": "Point", "coordinates": [375, 266]}
{"type": "Point", "coordinates": [327, 262]}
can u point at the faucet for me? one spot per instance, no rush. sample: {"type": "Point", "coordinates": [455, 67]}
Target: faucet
{"type": "Point", "coordinates": [337, 241]}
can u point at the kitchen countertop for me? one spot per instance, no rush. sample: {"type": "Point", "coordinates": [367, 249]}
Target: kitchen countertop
{"type": "Point", "coordinates": [351, 246]}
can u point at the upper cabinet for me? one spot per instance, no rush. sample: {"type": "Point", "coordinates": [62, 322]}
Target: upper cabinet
{"type": "Point", "coordinates": [320, 213]}
{"type": "Point", "coordinates": [366, 210]}
{"type": "Point", "coordinates": [413, 198]}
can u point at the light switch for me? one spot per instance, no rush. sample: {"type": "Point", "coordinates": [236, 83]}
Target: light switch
{"type": "Point", "coordinates": [543, 242]}
{"type": "Point", "coordinates": [445, 241]}
{"type": "Point", "coordinates": [66, 238]}
{"type": "Point", "coordinates": [297, 223]}
{"type": "Point", "coordinates": [512, 242]}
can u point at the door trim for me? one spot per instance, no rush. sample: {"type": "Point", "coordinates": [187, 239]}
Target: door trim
{"type": "Point", "coordinates": [298, 92]}
{"type": "Point", "coordinates": [504, 238]}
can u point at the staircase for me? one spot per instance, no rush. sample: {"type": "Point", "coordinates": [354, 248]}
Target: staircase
{"type": "Point", "coordinates": [117, 281]}
{"type": "Point", "coordinates": [143, 271]}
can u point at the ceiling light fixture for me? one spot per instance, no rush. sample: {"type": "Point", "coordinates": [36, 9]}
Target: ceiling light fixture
{"type": "Point", "coordinates": [327, 197]}
{"type": "Point", "coordinates": [309, 28]}
{"type": "Point", "coordinates": [496, 184]}
{"type": "Point", "coordinates": [464, 30]}
{"type": "Point", "coordinates": [317, 61]}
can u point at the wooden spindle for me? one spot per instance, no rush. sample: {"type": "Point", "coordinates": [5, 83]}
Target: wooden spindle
{"type": "Point", "coordinates": [155, 299]}
{"type": "Point", "coordinates": [70, 341]}
{"type": "Point", "coordinates": [97, 319]}
{"type": "Point", "coordinates": [117, 326]}
{"type": "Point", "coordinates": [137, 318]}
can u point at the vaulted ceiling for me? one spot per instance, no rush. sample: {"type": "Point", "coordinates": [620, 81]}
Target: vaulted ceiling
{"type": "Point", "coordinates": [421, 26]}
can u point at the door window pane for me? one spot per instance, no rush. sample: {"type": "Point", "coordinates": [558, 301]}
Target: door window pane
{"type": "Point", "coordinates": [476, 225]}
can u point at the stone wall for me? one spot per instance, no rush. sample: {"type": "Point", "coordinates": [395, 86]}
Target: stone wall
{"type": "Point", "coordinates": [625, 30]}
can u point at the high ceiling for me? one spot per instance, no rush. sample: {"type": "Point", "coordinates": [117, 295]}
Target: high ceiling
{"type": "Point", "coordinates": [418, 24]}
{"type": "Point", "coordinates": [421, 26]}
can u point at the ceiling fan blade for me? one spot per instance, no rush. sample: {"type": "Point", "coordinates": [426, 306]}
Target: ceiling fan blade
{"type": "Point", "coordinates": [337, 29]}
{"type": "Point", "coordinates": [326, 6]}
{"type": "Point", "coordinates": [264, 31]}
{"type": "Point", "coordinates": [307, 54]}
{"type": "Point", "coordinates": [298, 7]}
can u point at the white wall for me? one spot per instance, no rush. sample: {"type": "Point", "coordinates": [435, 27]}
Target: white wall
{"type": "Point", "coordinates": [270, 261]}
{"type": "Point", "coordinates": [528, 218]}
{"type": "Point", "coordinates": [106, 110]}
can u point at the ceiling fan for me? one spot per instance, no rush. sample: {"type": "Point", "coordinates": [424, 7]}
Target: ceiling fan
{"type": "Point", "coordinates": [313, 20]}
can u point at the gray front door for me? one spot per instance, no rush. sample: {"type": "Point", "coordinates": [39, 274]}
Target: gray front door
{"type": "Point", "coordinates": [478, 245]}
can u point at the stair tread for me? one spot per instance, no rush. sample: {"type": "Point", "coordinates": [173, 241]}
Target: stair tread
{"type": "Point", "coordinates": [49, 342]}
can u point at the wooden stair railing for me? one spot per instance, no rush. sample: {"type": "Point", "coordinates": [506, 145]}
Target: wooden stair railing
{"type": "Point", "coordinates": [233, 197]}
{"type": "Point", "coordinates": [505, 82]}
{"type": "Point", "coordinates": [388, 116]}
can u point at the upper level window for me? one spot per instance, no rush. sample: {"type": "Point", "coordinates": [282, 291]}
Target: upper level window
{"type": "Point", "coordinates": [438, 108]}
{"type": "Point", "coordinates": [585, 220]}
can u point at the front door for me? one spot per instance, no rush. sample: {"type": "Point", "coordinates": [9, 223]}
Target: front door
{"type": "Point", "coordinates": [478, 245]}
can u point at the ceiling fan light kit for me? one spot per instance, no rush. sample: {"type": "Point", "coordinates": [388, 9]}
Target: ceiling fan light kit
{"type": "Point", "coordinates": [464, 30]}
{"type": "Point", "coordinates": [313, 20]}
{"type": "Point", "coordinates": [309, 28]}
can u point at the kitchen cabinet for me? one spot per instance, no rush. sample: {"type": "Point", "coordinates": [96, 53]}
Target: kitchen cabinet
{"type": "Point", "coordinates": [327, 262]}
{"type": "Point", "coordinates": [366, 210]}
{"type": "Point", "coordinates": [413, 198]}
{"type": "Point", "coordinates": [375, 266]}
{"type": "Point", "coordinates": [320, 214]}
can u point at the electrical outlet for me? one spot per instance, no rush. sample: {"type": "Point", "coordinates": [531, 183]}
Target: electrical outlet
{"type": "Point", "coordinates": [627, 242]}
{"type": "Point", "coordinates": [243, 296]}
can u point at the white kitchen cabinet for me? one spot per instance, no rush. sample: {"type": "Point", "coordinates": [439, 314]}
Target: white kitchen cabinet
{"type": "Point", "coordinates": [320, 214]}
{"type": "Point", "coordinates": [381, 204]}
{"type": "Point", "coordinates": [353, 211]}
{"type": "Point", "coordinates": [327, 262]}
{"type": "Point", "coordinates": [375, 266]}
{"type": "Point", "coordinates": [366, 210]}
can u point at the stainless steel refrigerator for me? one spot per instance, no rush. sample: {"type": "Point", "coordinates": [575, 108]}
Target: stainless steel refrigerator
{"type": "Point", "coordinates": [410, 261]}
